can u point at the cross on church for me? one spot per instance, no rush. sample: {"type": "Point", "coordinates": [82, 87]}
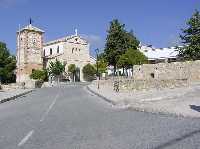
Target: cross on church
{"type": "Point", "coordinates": [76, 32]}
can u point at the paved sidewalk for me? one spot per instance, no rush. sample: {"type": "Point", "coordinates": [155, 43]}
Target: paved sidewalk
{"type": "Point", "coordinates": [183, 101]}
{"type": "Point", "coordinates": [12, 94]}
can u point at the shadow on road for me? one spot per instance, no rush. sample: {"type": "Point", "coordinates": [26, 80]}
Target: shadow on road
{"type": "Point", "coordinates": [196, 108]}
{"type": "Point", "coordinates": [176, 140]}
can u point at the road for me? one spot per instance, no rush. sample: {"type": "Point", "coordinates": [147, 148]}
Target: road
{"type": "Point", "coordinates": [69, 117]}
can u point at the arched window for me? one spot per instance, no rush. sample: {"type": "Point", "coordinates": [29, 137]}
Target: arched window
{"type": "Point", "coordinates": [44, 52]}
{"type": "Point", "coordinates": [58, 48]}
{"type": "Point", "coordinates": [50, 51]}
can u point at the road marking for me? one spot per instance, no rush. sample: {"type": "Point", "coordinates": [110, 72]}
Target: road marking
{"type": "Point", "coordinates": [25, 139]}
{"type": "Point", "coordinates": [50, 107]}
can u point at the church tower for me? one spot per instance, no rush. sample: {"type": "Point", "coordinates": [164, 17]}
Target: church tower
{"type": "Point", "coordinates": [29, 52]}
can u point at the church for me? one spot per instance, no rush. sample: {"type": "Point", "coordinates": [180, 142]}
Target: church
{"type": "Point", "coordinates": [33, 53]}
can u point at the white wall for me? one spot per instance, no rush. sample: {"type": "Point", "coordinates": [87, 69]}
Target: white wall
{"type": "Point", "coordinates": [54, 49]}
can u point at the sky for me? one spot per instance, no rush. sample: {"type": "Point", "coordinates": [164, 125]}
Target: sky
{"type": "Point", "coordinates": [154, 22]}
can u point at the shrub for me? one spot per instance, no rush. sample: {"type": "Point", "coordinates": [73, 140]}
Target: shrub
{"type": "Point", "coordinates": [89, 72]}
{"type": "Point", "coordinates": [72, 70]}
{"type": "Point", "coordinates": [39, 75]}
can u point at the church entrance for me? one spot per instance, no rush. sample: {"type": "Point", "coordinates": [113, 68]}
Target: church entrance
{"type": "Point", "coordinates": [77, 75]}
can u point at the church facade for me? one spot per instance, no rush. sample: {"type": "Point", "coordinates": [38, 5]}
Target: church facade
{"type": "Point", "coordinates": [33, 53]}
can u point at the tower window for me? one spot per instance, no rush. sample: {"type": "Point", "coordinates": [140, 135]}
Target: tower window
{"type": "Point", "coordinates": [50, 51]}
{"type": "Point", "coordinates": [58, 49]}
{"type": "Point", "coordinates": [72, 50]}
{"type": "Point", "coordinates": [152, 75]}
{"type": "Point", "coordinates": [44, 52]}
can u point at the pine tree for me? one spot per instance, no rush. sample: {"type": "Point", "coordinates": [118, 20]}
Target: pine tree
{"type": "Point", "coordinates": [7, 65]}
{"type": "Point", "coordinates": [191, 38]}
{"type": "Point", "coordinates": [118, 41]}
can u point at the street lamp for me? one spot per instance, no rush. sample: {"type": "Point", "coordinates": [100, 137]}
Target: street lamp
{"type": "Point", "coordinates": [97, 73]}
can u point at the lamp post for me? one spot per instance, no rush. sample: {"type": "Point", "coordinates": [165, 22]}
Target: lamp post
{"type": "Point", "coordinates": [97, 74]}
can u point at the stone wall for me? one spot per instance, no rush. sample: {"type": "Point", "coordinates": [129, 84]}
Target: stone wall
{"type": "Point", "coordinates": [158, 76]}
{"type": "Point", "coordinates": [168, 71]}
{"type": "Point", "coordinates": [134, 85]}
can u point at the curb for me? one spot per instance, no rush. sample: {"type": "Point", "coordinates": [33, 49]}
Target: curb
{"type": "Point", "coordinates": [14, 97]}
{"type": "Point", "coordinates": [163, 113]}
{"type": "Point", "coordinates": [139, 109]}
{"type": "Point", "coordinates": [99, 95]}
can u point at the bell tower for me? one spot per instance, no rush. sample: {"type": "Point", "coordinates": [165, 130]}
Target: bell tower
{"type": "Point", "coordinates": [29, 51]}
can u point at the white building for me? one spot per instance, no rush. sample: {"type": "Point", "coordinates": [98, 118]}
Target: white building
{"type": "Point", "coordinates": [156, 55]}
{"type": "Point", "coordinates": [70, 50]}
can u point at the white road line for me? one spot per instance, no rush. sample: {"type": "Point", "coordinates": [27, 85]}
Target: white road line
{"type": "Point", "coordinates": [50, 107]}
{"type": "Point", "coordinates": [25, 139]}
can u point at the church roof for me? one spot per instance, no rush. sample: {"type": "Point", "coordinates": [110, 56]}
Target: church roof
{"type": "Point", "coordinates": [30, 27]}
{"type": "Point", "coordinates": [64, 39]}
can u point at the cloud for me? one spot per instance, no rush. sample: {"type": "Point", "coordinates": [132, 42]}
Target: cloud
{"type": "Point", "coordinates": [94, 40]}
{"type": "Point", "coordinates": [7, 3]}
{"type": "Point", "coordinates": [10, 3]}
{"type": "Point", "coordinates": [174, 40]}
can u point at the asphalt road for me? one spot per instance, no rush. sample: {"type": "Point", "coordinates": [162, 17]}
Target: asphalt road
{"type": "Point", "coordinates": [69, 117]}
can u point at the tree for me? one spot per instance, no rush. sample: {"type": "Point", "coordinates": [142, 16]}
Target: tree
{"type": "Point", "coordinates": [191, 38]}
{"type": "Point", "coordinates": [117, 42]}
{"type": "Point", "coordinates": [136, 57]}
{"type": "Point", "coordinates": [7, 65]}
{"type": "Point", "coordinates": [102, 63]}
{"type": "Point", "coordinates": [131, 41]}
{"type": "Point", "coordinates": [124, 61]}
{"type": "Point", "coordinates": [130, 58]}
{"type": "Point", "coordinates": [72, 70]}
{"type": "Point", "coordinates": [56, 69]}
{"type": "Point", "coordinates": [40, 75]}
{"type": "Point", "coordinates": [89, 72]}
{"type": "Point", "coordinates": [102, 66]}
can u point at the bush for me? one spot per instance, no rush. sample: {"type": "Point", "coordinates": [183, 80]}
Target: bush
{"type": "Point", "coordinates": [72, 71]}
{"type": "Point", "coordinates": [39, 75]}
{"type": "Point", "coordinates": [89, 72]}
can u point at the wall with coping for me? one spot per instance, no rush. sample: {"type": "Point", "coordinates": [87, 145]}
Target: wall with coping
{"type": "Point", "coordinates": [158, 76]}
{"type": "Point", "coordinates": [168, 71]}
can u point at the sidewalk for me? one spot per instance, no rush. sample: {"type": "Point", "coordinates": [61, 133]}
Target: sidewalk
{"type": "Point", "coordinates": [183, 101]}
{"type": "Point", "coordinates": [12, 94]}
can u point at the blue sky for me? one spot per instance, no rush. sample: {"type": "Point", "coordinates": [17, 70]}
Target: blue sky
{"type": "Point", "coordinates": [156, 22]}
